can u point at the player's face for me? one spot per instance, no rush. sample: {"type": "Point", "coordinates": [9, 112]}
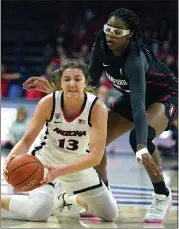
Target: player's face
{"type": "Point", "coordinates": [73, 82]}
{"type": "Point", "coordinates": [114, 42]}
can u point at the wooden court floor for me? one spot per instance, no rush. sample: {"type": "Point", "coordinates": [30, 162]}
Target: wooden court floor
{"type": "Point", "coordinates": [129, 217]}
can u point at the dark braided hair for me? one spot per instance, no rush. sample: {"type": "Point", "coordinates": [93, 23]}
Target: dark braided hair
{"type": "Point", "coordinates": [133, 22]}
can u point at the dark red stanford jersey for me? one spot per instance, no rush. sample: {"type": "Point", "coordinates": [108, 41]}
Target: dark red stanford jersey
{"type": "Point", "coordinates": [142, 76]}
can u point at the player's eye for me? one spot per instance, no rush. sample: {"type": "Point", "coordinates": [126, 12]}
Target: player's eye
{"type": "Point", "coordinates": [66, 79]}
{"type": "Point", "coordinates": [118, 32]}
{"type": "Point", "coordinates": [77, 80]}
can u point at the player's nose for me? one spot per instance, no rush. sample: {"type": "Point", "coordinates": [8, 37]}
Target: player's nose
{"type": "Point", "coordinates": [72, 82]}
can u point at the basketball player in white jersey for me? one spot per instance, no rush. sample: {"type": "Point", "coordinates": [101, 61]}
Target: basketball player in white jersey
{"type": "Point", "coordinates": [72, 144]}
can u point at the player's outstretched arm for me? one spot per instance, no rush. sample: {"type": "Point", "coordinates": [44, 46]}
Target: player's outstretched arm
{"type": "Point", "coordinates": [41, 114]}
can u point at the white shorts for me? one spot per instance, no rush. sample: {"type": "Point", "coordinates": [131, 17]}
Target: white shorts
{"type": "Point", "coordinates": [75, 183]}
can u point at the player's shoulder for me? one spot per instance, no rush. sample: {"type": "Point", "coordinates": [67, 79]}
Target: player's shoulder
{"type": "Point", "coordinates": [93, 97]}
{"type": "Point", "coordinates": [99, 113]}
{"type": "Point", "coordinates": [99, 107]}
{"type": "Point", "coordinates": [135, 58]}
{"type": "Point", "coordinates": [132, 50]}
{"type": "Point", "coordinates": [50, 97]}
{"type": "Point", "coordinates": [47, 98]}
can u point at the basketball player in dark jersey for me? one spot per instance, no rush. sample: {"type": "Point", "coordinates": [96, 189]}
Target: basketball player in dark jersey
{"type": "Point", "coordinates": [149, 102]}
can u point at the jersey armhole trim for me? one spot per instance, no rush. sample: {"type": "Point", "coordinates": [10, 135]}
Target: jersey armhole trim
{"type": "Point", "coordinates": [53, 108]}
{"type": "Point", "coordinates": [89, 116]}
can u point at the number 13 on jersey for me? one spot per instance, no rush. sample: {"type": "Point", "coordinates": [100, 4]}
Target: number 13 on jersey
{"type": "Point", "coordinates": [69, 144]}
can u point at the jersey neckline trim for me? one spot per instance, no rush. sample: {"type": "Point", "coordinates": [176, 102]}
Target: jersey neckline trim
{"type": "Point", "coordinates": [62, 108]}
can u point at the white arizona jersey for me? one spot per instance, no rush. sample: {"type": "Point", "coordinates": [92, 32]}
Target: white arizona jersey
{"type": "Point", "coordinates": [63, 141]}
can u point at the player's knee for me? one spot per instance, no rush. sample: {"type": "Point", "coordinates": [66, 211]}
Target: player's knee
{"type": "Point", "coordinates": [150, 145]}
{"type": "Point", "coordinates": [110, 215]}
{"type": "Point", "coordinates": [108, 212]}
{"type": "Point", "coordinates": [41, 208]}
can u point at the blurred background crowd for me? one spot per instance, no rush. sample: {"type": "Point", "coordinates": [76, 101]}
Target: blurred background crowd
{"type": "Point", "coordinates": [37, 36]}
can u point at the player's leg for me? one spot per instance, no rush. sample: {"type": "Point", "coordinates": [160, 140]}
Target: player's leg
{"type": "Point", "coordinates": [37, 206]}
{"type": "Point", "coordinates": [99, 202]}
{"type": "Point", "coordinates": [159, 118]}
{"type": "Point", "coordinates": [117, 126]}
{"type": "Point", "coordinates": [63, 204]}
{"type": "Point", "coordinates": [158, 121]}
{"type": "Point", "coordinates": [152, 161]}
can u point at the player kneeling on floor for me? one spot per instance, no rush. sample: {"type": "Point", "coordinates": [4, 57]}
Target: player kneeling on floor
{"type": "Point", "coordinates": [72, 143]}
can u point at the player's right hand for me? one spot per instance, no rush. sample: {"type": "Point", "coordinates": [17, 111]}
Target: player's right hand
{"type": "Point", "coordinates": [38, 83]}
{"type": "Point", "coordinates": [6, 162]}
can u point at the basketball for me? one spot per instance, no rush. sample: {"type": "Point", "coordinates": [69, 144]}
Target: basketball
{"type": "Point", "coordinates": [25, 172]}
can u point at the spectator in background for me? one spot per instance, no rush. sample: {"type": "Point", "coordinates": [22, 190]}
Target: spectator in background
{"type": "Point", "coordinates": [17, 129]}
{"type": "Point", "coordinates": [60, 35]}
{"type": "Point", "coordinates": [34, 94]}
{"type": "Point", "coordinates": [172, 150]}
{"type": "Point", "coordinates": [170, 62]}
{"type": "Point", "coordinates": [83, 54]}
{"type": "Point", "coordinates": [81, 38]}
{"type": "Point", "coordinates": [107, 83]}
{"type": "Point", "coordinates": [59, 57]}
{"type": "Point", "coordinates": [164, 51]}
{"type": "Point", "coordinates": [103, 93]}
{"type": "Point", "coordinates": [4, 82]}
{"type": "Point", "coordinates": [8, 80]}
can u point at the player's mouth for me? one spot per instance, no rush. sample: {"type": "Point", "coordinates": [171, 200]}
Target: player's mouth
{"type": "Point", "coordinates": [110, 43]}
{"type": "Point", "coordinates": [73, 91]}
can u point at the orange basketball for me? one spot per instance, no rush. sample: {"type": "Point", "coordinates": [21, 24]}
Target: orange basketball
{"type": "Point", "coordinates": [25, 172]}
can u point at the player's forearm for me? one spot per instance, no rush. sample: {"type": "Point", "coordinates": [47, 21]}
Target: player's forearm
{"type": "Point", "coordinates": [140, 146]}
{"type": "Point", "coordinates": [87, 161]}
{"type": "Point", "coordinates": [140, 117]}
{"type": "Point", "coordinates": [21, 147]}
{"type": "Point", "coordinates": [141, 129]}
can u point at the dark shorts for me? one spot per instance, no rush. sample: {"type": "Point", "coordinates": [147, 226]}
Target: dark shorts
{"type": "Point", "coordinates": [122, 106]}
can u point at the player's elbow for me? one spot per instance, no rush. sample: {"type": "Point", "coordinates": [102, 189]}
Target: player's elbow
{"type": "Point", "coordinates": [97, 159]}
{"type": "Point", "coordinates": [97, 162]}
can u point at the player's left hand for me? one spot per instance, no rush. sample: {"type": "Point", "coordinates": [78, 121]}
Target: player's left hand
{"type": "Point", "coordinates": [144, 157]}
{"type": "Point", "coordinates": [53, 173]}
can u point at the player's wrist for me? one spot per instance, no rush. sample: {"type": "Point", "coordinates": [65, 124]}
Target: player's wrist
{"type": "Point", "coordinates": [139, 154]}
{"type": "Point", "coordinates": [61, 171]}
{"type": "Point", "coordinates": [141, 146]}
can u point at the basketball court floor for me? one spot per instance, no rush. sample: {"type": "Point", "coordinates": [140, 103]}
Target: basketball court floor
{"type": "Point", "coordinates": [130, 186]}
